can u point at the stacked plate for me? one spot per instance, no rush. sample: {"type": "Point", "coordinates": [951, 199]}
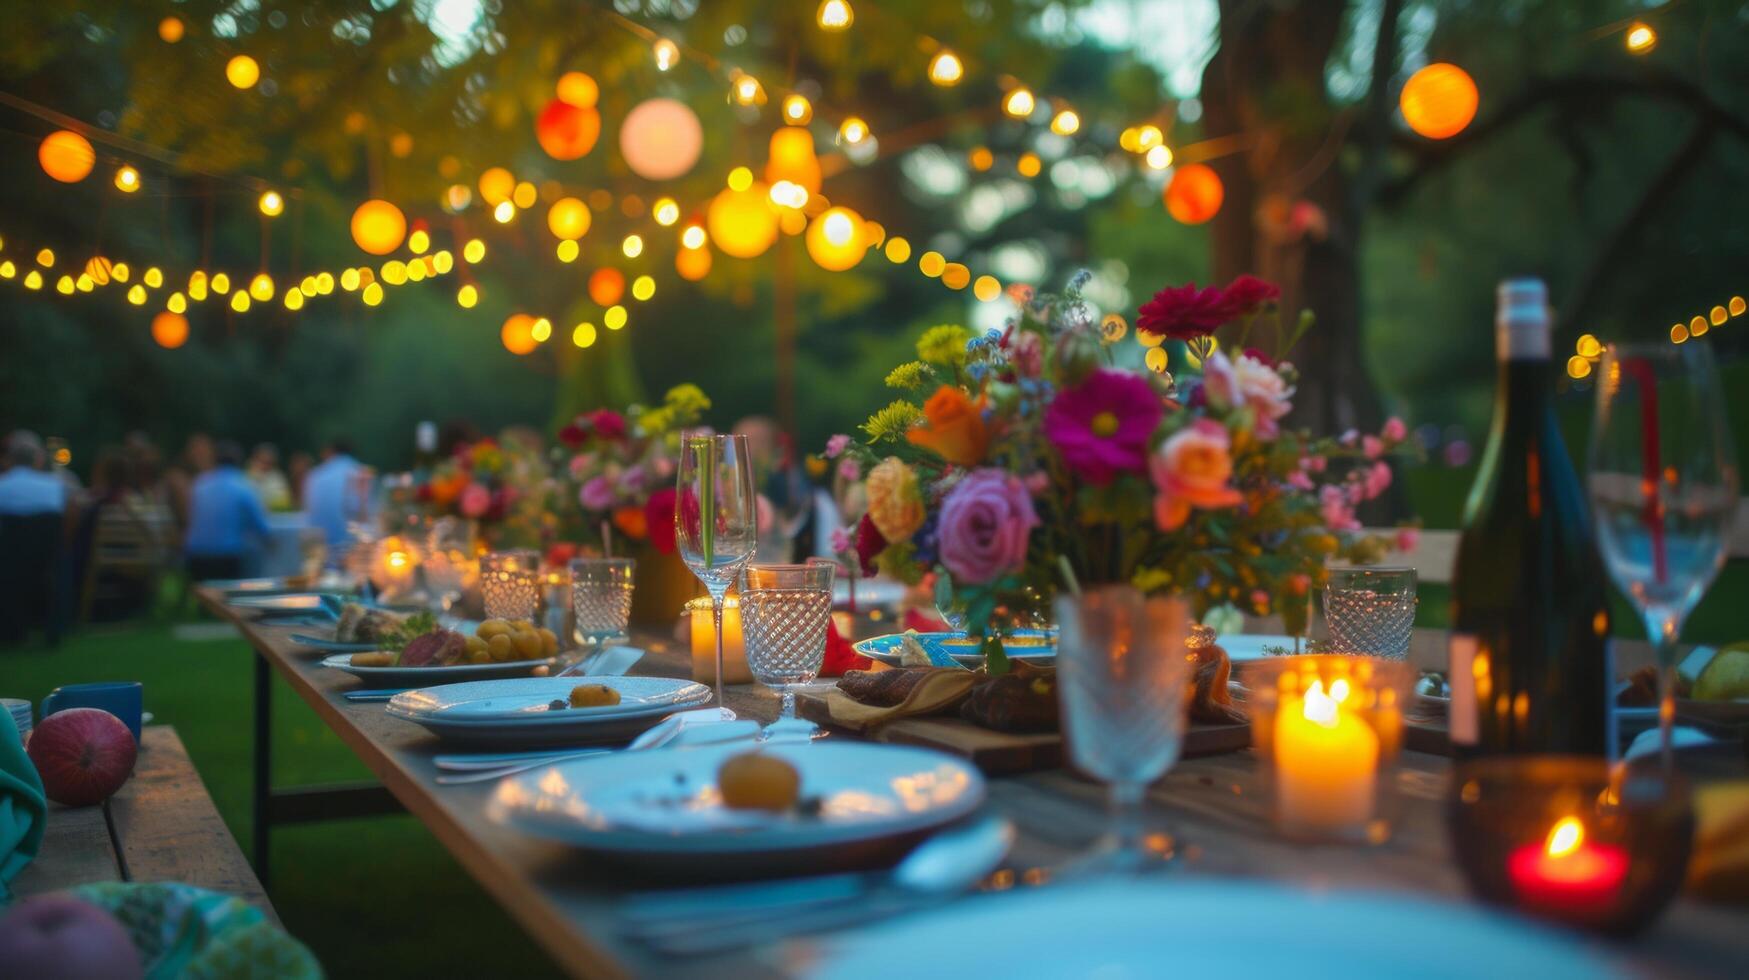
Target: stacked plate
{"type": "Point", "coordinates": [411, 676]}
{"type": "Point", "coordinates": [19, 709]}
{"type": "Point", "coordinates": [517, 711]}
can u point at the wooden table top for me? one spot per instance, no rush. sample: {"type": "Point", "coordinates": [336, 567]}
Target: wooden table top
{"type": "Point", "coordinates": [1212, 805]}
{"type": "Point", "coordinates": [160, 826]}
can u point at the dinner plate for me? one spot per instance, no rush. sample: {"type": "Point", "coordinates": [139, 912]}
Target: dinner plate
{"type": "Point", "coordinates": [330, 646]}
{"type": "Point", "coordinates": [666, 802]}
{"type": "Point", "coordinates": [1191, 926]}
{"type": "Point", "coordinates": [289, 602]}
{"type": "Point", "coordinates": [412, 676]}
{"type": "Point", "coordinates": [512, 710]}
{"type": "Point", "coordinates": [951, 649]}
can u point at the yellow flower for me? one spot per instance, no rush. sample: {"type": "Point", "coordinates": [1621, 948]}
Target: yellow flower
{"type": "Point", "coordinates": [895, 500]}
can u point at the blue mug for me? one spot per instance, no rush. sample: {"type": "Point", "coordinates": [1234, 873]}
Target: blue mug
{"type": "Point", "coordinates": [120, 698]}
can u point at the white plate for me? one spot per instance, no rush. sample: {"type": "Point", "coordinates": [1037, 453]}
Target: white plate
{"type": "Point", "coordinates": [1252, 647]}
{"type": "Point", "coordinates": [506, 713]}
{"type": "Point", "coordinates": [408, 676]}
{"type": "Point", "coordinates": [287, 602]}
{"type": "Point", "coordinates": [666, 803]}
{"type": "Point", "coordinates": [1196, 927]}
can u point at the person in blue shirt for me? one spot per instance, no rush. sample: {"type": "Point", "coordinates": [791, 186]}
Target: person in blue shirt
{"type": "Point", "coordinates": [26, 487]}
{"type": "Point", "coordinates": [336, 494]}
{"type": "Point", "coordinates": [224, 516]}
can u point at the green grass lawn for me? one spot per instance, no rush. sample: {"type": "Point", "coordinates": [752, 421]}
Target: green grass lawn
{"type": "Point", "coordinates": [376, 897]}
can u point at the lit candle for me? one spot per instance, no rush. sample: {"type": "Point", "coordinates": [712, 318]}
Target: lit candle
{"type": "Point", "coordinates": [1326, 763]}
{"type": "Point", "coordinates": [704, 643]}
{"type": "Point", "coordinates": [397, 566]}
{"type": "Point", "coordinates": [1567, 873]}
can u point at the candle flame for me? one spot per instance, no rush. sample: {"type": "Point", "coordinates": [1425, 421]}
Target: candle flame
{"type": "Point", "coordinates": [397, 559]}
{"type": "Point", "coordinates": [1320, 708]}
{"type": "Point", "coordinates": [1565, 837]}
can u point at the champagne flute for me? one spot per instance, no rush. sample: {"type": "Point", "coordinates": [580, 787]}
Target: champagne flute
{"type": "Point", "coordinates": [716, 522]}
{"type": "Point", "coordinates": [1663, 486]}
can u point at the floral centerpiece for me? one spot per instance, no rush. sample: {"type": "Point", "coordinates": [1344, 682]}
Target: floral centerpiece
{"type": "Point", "coordinates": [501, 484]}
{"type": "Point", "coordinates": [1025, 460]}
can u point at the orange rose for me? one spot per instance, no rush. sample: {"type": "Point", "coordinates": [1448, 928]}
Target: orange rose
{"type": "Point", "coordinates": [444, 492]}
{"type": "Point", "coordinates": [632, 522]}
{"type": "Point", "coordinates": [955, 429]}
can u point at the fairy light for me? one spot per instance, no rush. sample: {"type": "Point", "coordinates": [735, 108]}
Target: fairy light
{"type": "Point", "coordinates": [294, 300]}
{"type": "Point", "coordinates": [1148, 137]}
{"type": "Point", "coordinates": [418, 241]}
{"type": "Point", "coordinates": [667, 54]}
{"type": "Point", "coordinates": [373, 294]}
{"type": "Point", "coordinates": [442, 261]}
{"type": "Point", "coordinates": [746, 90]}
{"type": "Point", "coordinates": [1717, 316]}
{"type": "Point", "coordinates": [1160, 157]}
{"type": "Point", "coordinates": [46, 258]}
{"type": "Point", "coordinates": [177, 303]}
{"type": "Point", "coordinates": [153, 278]}
{"type": "Point", "coordinates": [797, 110]}
{"type": "Point", "coordinates": [503, 212]}
{"type": "Point", "coordinates": [945, 69]}
{"type": "Point", "coordinates": [1641, 38]}
{"type": "Point", "coordinates": [614, 317]}
{"type": "Point", "coordinates": [120, 272]}
{"type": "Point", "coordinates": [394, 272]}
{"type": "Point", "coordinates": [1698, 327]}
{"type": "Point", "coordinates": [693, 237]}
{"type": "Point", "coordinates": [931, 264]}
{"type": "Point", "coordinates": [567, 251]}
{"type": "Point", "coordinates": [261, 287]}
{"type": "Point", "coordinates": [270, 203]}
{"type": "Point", "coordinates": [541, 331]}
{"type": "Point", "coordinates": [7, 269]}
{"type": "Point", "coordinates": [1028, 165]}
{"type": "Point", "coordinates": [219, 283]}
{"type": "Point", "coordinates": [986, 288]}
{"type": "Point", "coordinates": [33, 280]}
{"type": "Point", "coordinates": [242, 72]}
{"type": "Point", "coordinates": [788, 194]}
{"type": "Point", "coordinates": [665, 211]}
{"type": "Point", "coordinates": [898, 250]}
{"type": "Point", "coordinates": [1065, 122]}
{"type": "Point", "coordinates": [524, 195]}
{"type": "Point", "coordinates": [474, 251]}
{"type": "Point", "coordinates": [1737, 306]}
{"type": "Point", "coordinates": [127, 180]}
{"type": "Point", "coordinates": [1019, 103]}
{"type": "Point", "coordinates": [467, 296]}
{"type": "Point", "coordinates": [740, 179]}
{"type": "Point", "coordinates": [240, 301]}
{"type": "Point", "coordinates": [981, 159]}
{"type": "Point", "coordinates": [852, 131]}
{"type": "Point", "coordinates": [633, 246]}
{"type": "Point", "coordinates": [834, 16]}
{"type": "Point", "coordinates": [583, 335]}
{"type": "Point", "coordinates": [643, 287]}
{"type": "Point", "coordinates": [349, 280]}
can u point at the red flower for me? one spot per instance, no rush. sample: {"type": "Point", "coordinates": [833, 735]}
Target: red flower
{"type": "Point", "coordinates": [560, 553]}
{"type": "Point", "coordinates": [869, 543]}
{"type": "Point", "coordinates": [573, 435]}
{"type": "Point", "coordinates": [1184, 312]}
{"type": "Point", "coordinates": [1247, 294]}
{"type": "Point", "coordinates": [608, 424]}
{"type": "Point", "coordinates": [840, 655]}
{"type": "Point", "coordinates": [659, 515]}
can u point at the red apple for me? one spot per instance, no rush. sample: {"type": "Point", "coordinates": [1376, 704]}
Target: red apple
{"type": "Point", "coordinates": [58, 937]}
{"type": "Point", "coordinates": [83, 755]}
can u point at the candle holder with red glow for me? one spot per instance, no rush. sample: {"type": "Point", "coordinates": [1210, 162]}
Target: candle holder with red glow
{"type": "Point", "coordinates": [1571, 839]}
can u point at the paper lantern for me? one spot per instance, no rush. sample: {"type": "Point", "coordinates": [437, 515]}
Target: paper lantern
{"type": "Point", "coordinates": [567, 131]}
{"type": "Point", "coordinates": [496, 185]}
{"type": "Point", "coordinates": [1439, 101]}
{"type": "Point", "coordinates": [693, 264]}
{"type": "Point", "coordinates": [170, 330]}
{"type": "Point", "coordinates": [578, 89]}
{"type": "Point", "coordinates": [1194, 194]}
{"type": "Point", "coordinates": [792, 159]}
{"type": "Point", "coordinates": [66, 156]}
{"type": "Point", "coordinates": [242, 71]}
{"type": "Point", "coordinates": [835, 239]}
{"type": "Point", "coordinates": [518, 333]}
{"type": "Point", "coordinates": [743, 223]}
{"type": "Point", "coordinates": [171, 29]}
{"type": "Point", "coordinates": [661, 139]}
{"type": "Point", "coordinates": [606, 286]}
{"type": "Point", "coordinates": [378, 227]}
{"type": "Point", "coordinates": [568, 219]}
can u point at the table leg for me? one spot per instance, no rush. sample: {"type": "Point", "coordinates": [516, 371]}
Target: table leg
{"type": "Point", "coordinates": [263, 768]}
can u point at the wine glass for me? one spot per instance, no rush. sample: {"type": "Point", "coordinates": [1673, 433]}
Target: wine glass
{"type": "Point", "coordinates": [601, 600]}
{"type": "Point", "coordinates": [1663, 485]}
{"type": "Point", "coordinates": [1370, 610]}
{"type": "Point", "coordinates": [716, 521]}
{"type": "Point", "coordinates": [450, 566]}
{"type": "Point", "coordinates": [785, 612]}
{"type": "Point", "coordinates": [510, 584]}
{"type": "Point", "coordinates": [1122, 670]}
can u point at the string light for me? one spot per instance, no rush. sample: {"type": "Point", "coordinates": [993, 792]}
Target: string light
{"type": "Point", "coordinates": [467, 296]}
{"type": "Point", "coordinates": [127, 180]}
{"type": "Point", "coordinates": [740, 179]}
{"type": "Point", "coordinates": [170, 30]}
{"type": "Point", "coordinates": [693, 237]}
{"type": "Point", "coordinates": [504, 212]}
{"type": "Point", "coordinates": [643, 287]}
{"type": "Point", "coordinates": [852, 131]}
{"type": "Point", "coordinates": [1160, 157]}
{"type": "Point", "coordinates": [373, 294]}
{"type": "Point", "coordinates": [567, 251]}
{"type": "Point", "coordinates": [271, 204]}
{"type": "Point", "coordinates": [931, 264]}
{"type": "Point", "coordinates": [665, 211]}
{"type": "Point", "coordinates": [746, 90]}
{"type": "Point", "coordinates": [583, 335]}
{"type": "Point", "coordinates": [261, 287]}
{"type": "Point", "coordinates": [797, 110]}
{"type": "Point", "coordinates": [418, 241]}
{"type": "Point", "coordinates": [945, 69]}
{"type": "Point", "coordinates": [986, 288]}
{"type": "Point", "coordinates": [541, 330]}
{"type": "Point", "coordinates": [242, 72]}
{"type": "Point", "coordinates": [177, 303]}
{"type": "Point", "coordinates": [474, 251]}
{"type": "Point", "coordinates": [1641, 38]}
{"type": "Point", "coordinates": [240, 301]}
{"type": "Point", "coordinates": [788, 194]}
{"type": "Point", "coordinates": [834, 15]}
{"type": "Point", "coordinates": [153, 277]}
{"type": "Point", "coordinates": [294, 300]}
{"type": "Point", "coordinates": [1065, 122]}
{"type": "Point", "coordinates": [633, 246]}
{"type": "Point", "coordinates": [1019, 103]}
{"type": "Point", "coordinates": [46, 258]}
{"type": "Point", "coordinates": [667, 54]}
{"type": "Point", "coordinates": [121, 273]}
{"type": "Point", "coordinates": [614, 317]}
{"type": "Point", "coordinates": [1148, 137]}
{"type": "Point", "coordinates": [898, 250]}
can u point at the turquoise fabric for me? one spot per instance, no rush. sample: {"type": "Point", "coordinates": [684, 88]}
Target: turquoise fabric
{"type": "Point", "coordinates": [23, 807]}
{"type": "Point", "coordinates": [186, 932]}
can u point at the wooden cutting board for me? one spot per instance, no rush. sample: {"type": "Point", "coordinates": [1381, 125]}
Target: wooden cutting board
{"type": "Point", "coordinates": [1000, 753]}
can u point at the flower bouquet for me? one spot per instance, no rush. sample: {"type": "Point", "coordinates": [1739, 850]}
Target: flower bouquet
{"type": "Point", "coordinates": [501, 485]}
{"type": "Point", "coordinates": [1027, 460]}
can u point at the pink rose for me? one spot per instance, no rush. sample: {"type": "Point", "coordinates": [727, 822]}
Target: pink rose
{"type": "Point", "coordinates": [840, 540]}
{"type": "Point", "coordinates": [475, 500]}
{"type": "Point", "coordinates": [849, 470]}
{"type": "Point", "coordinates": [1372, 447]}
{"type": "Point", "coordinates": [597, 494]}
{"type": "Point", "coordinates": [664, 468]}
{"type": "Point", "coordinates": [1037, 482]}
{"type": "Point", "coordinates": [1337, 514]}
{"type": "Point", "coordinates": [1377, 479]}
{"type": "Point", "coordinates": [985, 522]}
{"type": "Point", "coordinates": [1193, 469]}
{"type": "Point", "coordinates": [1394, 430]}
{"type": "Point", "coordinates": [1247, 382]}
{"type": "Point", "coordinates": [836, 445]}
{"type": "Point", "coordinates": [1408, 538]}
{"type": "Point", "coordinates": [633, 481]}
{"type": "Point", "coordinates": [581, 464]}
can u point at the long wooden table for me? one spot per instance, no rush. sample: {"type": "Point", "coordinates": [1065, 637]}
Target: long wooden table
{"type": "Point", "coordinates": [1213, 805]}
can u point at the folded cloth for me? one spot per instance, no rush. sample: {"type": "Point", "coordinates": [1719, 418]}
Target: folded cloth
{"type": "Point", "coordinates": [934, 690]}
{"type": "Point", "coordinates": [23, 807]}
{"type": "Point", "coordinates": [184, 931]}
{"type": "Point", "coordinates": [1719, 869]}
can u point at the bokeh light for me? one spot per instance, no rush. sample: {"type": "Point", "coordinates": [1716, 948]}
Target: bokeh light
{"type": "Point", "coordinates": [1439, 101]}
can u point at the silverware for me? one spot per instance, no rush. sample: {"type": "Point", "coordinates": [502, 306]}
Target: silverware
{"type": "Point", "coordinates": [704, 920]}
{"type": "Point", "coordinates": [656, 737]}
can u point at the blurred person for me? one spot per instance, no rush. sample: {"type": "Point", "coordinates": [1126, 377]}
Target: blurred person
{"type": "Point", "coordinates": [34, 517]}
{"type": "Point", "coordinates": [225, 516]}
{"type": "Point", "coordinates": [145, 469]}
{"type": "Point", "coordinates": [111, 497]}
{"type": "Point", "coordinates": [27, 487]}
{"type": "Point", "coordinates": [196, 458]}
{"type": "Point", "coordinates": [269, 481]}
{"type": "Point", "coordinates": [337, 493]}
{"type": "Point", "coordinates": [297, 470]}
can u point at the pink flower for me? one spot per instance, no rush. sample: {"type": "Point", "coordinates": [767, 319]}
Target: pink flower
{"type": "Point", "coordinates": [1026, 351]}
{"type": "Point", "coordinates": [840, 540]}
{"type": "Point", "coordinates": [985, 522]}
{"type": "Point", "coordinates": [581, 465]}
{"type": "Point", "coordinates": [1247, 383]}
{"type": "Point", "coordinates": [608, 424]}
{"type": "Point", "coordinates": [1377, 480]}
{"type": "Point", "coordinates": [1334, 508]}
{"type": "Point", "coordinates": [633, 481]}
{"type": "Point", "coordinates": [1184, 312]}
{"type": "Point", "coordinates": [1193, 469]}
{"type": "Point", "coordinates": [1247, 294]}
{"type": "Point", "coordinates": [1300, 480]}
{"type": "Point", "coordinates": [664, 468]}
{"type": "Point", "coordinates": [1408, 538]}
{"type": "Point", "coordinates": [849, 470]}
{"type": "Point", "coordinates": [1394, 430]}
{"type": "Point", "coordinates": [475, 500]}
{"type": "Point", "coordinates": [869, 545]}
{"type": "Point", "coordinates": [836, 445]}
{"type": "Point", "coordinates": [1037, 482]}
{"type": "Point", "coordinates": [1372, 447]}
{"type": "Point", "coordinates": [1315, 464]}
{"type": "Point", "coordinates": [1102, 426]}
{"type": "Point", "coordinates": [572, 435]}
{"type": "Point", "coordinates": [597, 494]}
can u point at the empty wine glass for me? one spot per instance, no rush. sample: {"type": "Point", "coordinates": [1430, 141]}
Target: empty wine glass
{"type": "Point", "coordinates": [1663, 486]}
{"type": "Point", "coordinates": [601, 598]}
{"type": "Point", "coordinates": [510, 584]}
{"type": "Point", "coordinates": [450, 566]}
{"type": "Point", "coordinates": [1370, 610]}
{"type": "Point", "coordinates": [716, 522]}
{"type": "Point", "coordinates": [785, 612]}
{"type": "Point", "coordinates": [1122, 670]}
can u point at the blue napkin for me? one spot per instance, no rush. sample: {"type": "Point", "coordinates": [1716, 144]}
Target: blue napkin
{"type": "Point", "coordinates": [23, 807]}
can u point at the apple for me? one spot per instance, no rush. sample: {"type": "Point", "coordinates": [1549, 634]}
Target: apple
{"type": "Point", "coordinates": [82, 754]}
{"type": "Point", "coordinates": [59, 937]}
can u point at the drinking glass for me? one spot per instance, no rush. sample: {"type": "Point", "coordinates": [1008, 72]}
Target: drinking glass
{"type": "Point", "coordinates": [1370, 611]}
{"type": "Point", "coordinates": [510, 584]}
{"type": "Point", "coordinates": [785, 611]}
{"type": "Point", "coordinates": [1663, 484]}
{"type": "Point", "coordinates": [601, 598]}
{"type": "Point", "coordinates": [1122, 671]}
{"type": "Point", "coordinates": [450, 566]}
{"type": "Point", "coordinates": [716, 522]}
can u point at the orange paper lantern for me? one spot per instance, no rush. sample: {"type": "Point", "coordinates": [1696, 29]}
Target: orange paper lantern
{"type": "Point", "coordinates": [568, 219]}
{"type": "Point", "coordinates": [693, 264]}
{"type": "Point", "coordinates": [378, 227]}
{"type": "Point", "coordinates": [578, 89]}
{"type": "Point", "coordinates": [518, 333]}
{"type": "Point", "coordinates": [496, 185]}
{"type": "Point", "coordinates": [567, 131]}
{"type": "Point", "coordinates": [1439, 101]}
{"type": "Point", "coordinates": [836, 240]}
{"type": "Point", "coordinates": [743, 223]}
{"type": "Point", "coordinates": [66, 156]}
{"type": "Point", "coordinates": [661, 139]}
{"type": "Point", "coordinates": [606, 286]}
{"type": "Point", "coordinates": [1195, 193]}
{"type": "Point", "coordinates": [170, 330]}
{"type": "Point", "coordinates": [792, 159]}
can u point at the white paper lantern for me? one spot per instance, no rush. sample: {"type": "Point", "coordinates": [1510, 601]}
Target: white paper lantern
{"type": "Point", "coordinates": [661, 139]}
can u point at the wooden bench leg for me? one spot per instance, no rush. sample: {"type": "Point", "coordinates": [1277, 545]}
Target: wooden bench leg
{"type": "Point", "coordinates": [263, 770]}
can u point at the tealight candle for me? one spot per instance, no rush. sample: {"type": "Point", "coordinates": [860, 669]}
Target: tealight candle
{"type": "Point", "coordinates": [1326, 763]}
{"type": "Point", "coordinates": [1566, 871]}
{"type": "Point", "coordinates": [704, 643]}
{"type": "Point", "coordinates": [396, 567]}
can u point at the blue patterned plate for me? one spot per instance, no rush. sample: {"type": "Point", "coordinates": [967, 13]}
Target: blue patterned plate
{"type": "Point", "coordinates": [960, 650]}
